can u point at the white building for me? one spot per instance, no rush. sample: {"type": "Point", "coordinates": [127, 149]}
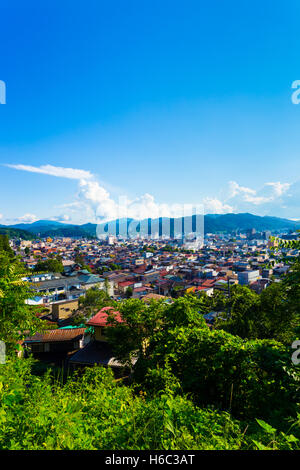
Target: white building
{"type": "Point", "coordinates": [246, 277]}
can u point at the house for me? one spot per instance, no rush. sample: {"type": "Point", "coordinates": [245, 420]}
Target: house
{"type": "Point", "coordinates": [123, 286]}
{"type": "Point", "coordinates": [198, 289]}
{"type": "Point", "coordinates": [151, 275]}
{"type": "Point", "coordinates": [98, 350]}
{"type": "Point", "coordinates": [247, 277]}
{"type": "Point", "coordinates": [208, 283]}
{"type": "Point", "coordinates": [139, 292]}
{"type": "Point", "coordinates": [100, 321]}
{"type": "Point", "coordinates": [51, 342]}
{"type": "Point", "coordinates": [88, 280]}
{"type": "Point", "coordinates": [57, 289]}
{"type": "Point", "coordinates": [64, 309]}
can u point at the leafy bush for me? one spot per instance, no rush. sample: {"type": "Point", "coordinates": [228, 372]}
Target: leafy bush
{"type": "Point", "coordinates": [249, 378]}
{"type": "Point", "coordinates": [93, 411]}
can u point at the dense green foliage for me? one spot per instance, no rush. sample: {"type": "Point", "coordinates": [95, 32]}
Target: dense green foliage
{"type": "Point", "coordinates": [5, 246]}
{"type": "Point", "coordinates": [94, 300]}
{"type": "Point", "coordinates": [17, 233]}
{"type": "Point", "coordinates": [79, 259]}
{"type": "Point", "coordinates": [252, 378]}
{"type": "Point", "coordinates": [50, 265]}
{"type": "Point", "coordinates": [91, 303]}
{"type": "Point", "coordinates": [16, 318]}
{"type": "Point", "coordinates": [96, 412]}
{"type": "Point", "coordinates": [265, 316]}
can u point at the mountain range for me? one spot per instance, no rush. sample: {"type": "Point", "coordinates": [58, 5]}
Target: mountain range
{"type": "Point", "coordinates": [213, 223]}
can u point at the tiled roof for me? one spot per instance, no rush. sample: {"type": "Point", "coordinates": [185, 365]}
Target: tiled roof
{"type": "Point", "coordinates": [208, 283]}
{"type": "Point", "coordinates": [56, 335]}
{"type": "Point", "coordinates": [139, 289]}
{"type": "Point", "coordinates": [90, 278]}
{"type": "Point", "coordinates": [100, 319]}
{"type": "Point", "coordinates": [126, 283]}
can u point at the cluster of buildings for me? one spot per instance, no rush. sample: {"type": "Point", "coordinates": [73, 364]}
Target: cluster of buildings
{"type": "Point", "coordinates": [144, 269]}
{"type": "Point", "coordinates": [139, 268]}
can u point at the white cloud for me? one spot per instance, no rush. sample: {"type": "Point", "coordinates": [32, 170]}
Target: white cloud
{"type": "Point", "coordinates": [94, 202]}
{"type": "Point", "coordinates": [93, 195]}
{"type": "Point", "coordinates": [235, 188]}
{"type": "Point", "coordinates": [1, 216]}
{"type": "Point", "coordinates": [267, 194]}
{"type": "Point", "coordinates": [215, 206]}
{"type": "Point", "coordinates": [72, 206]}
{"type": "Point", "coordinates": [257, 200]}
{"type": "Point", "coordinates": [272, 198]}
{"type": "Point", "coordinates": [51, 170]}
{"type": "Point", "coordinates": [279, 188]}
{"type": "Point", "coordinates": [60, 218]}
{"type": "Point", "coordinates": [145, 206]}
{"type": "Point", "coordinates": [27, 218]}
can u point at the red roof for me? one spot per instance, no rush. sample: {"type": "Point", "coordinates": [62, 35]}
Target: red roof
{"type": "Point", "coordinates": [163, 272]}
{"type": "Point", "coordinates": [139, 289]}
{"type": "Point", "coordinates": [100, 319]}
{"type": "Point", "coordinates": [208, 283]}
{"type": "Point", "coordinates": [126, 283]}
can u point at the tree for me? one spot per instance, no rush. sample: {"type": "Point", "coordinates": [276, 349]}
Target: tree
{"type": "Point", "coordinates": [143, 322]}
{"type": "Point", "coordinates": [93, 301]}
{"type": "Point", "coordinates": [291, 284]}
{"type": "Point", "coordinates": [129, 292]}
{"type": "Point", "coordinates": [249, 378]}
{"type": "Point", "coordinates": [241, 314]}
{"type": "Point", "coordinates": [174, 345]}
{"type": "Point", "coordinates": [93, 411]}
{"type": "Point", "coordinates": [79, 259]}
{"type": "Point", "coordinates": [5, 246]}
{"type": "Point", "coordinates": [274, 314]}
{"type": "Point", "coordinates": [131, 338]}
{"type": "Point", "coordinates": [106, 286]}
{"type": "Point", "coordinates": [50, 265]}
{"type": "Point", "coordinates": [114, 267]}
{"type": "Point", "coordinates": [16, 318]}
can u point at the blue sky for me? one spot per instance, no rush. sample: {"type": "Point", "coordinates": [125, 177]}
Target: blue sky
{"type": "Point", "coordinates": [164, 102]}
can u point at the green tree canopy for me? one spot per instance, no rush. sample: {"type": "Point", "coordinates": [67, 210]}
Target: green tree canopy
{"type": "Point", "coordinates": [50, 265]}
{"type": "Point", "coordinates": [16, 318]}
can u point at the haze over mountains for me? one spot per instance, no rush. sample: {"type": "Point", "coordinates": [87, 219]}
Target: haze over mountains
{"type": "Point", "coordinates": [213, 223]}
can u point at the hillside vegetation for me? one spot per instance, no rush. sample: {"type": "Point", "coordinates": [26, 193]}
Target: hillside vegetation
{"type": "Point", "coordinates": [233, 386]}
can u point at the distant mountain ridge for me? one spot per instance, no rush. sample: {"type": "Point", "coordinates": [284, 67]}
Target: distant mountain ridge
{"type": "Point", "coordinates": [244, 221]}
{"type": "Point", "coordinates": [213, 223]}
